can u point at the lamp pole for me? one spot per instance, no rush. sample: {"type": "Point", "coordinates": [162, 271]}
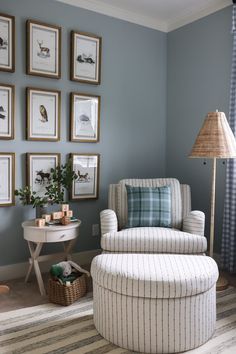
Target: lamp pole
{"type": "Point", "coordinates": [212, 225]}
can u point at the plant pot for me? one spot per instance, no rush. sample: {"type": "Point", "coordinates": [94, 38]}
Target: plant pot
{"type": "Point", "coordinates": [40, 210]}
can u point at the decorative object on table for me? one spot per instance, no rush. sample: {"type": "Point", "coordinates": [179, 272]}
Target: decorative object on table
{"type": "Point", "coordinates": [85, 117]}
{"type": "Point", "coordinates": [43, 49]}
{"type": "Point", "coordinates": [7, 43]}
{"type": "Point", "coordinates": [215, 141]}
{"type": "Point", "coordinates": [47, 183]}
{"type": "Point", "coordinates": [40, 222]}
{"type": "Point", "coordinates": [65, 207]}
{"type": "Point", "coordinates": [69, 213]}
{"type": "Point", "coordinates": [86, 57]}
{"type": "Point", "coordinates": [68, 283]}
{"type": "Point", "coordinates": [65, 220]}
{"type": "Point", "coordinates": [7, 178]}
{"type": "Point", "coordinates": [86, 167]}
{"type": "Point", "coordinates": [43, 114]}
{"type": "Point", "coordinates": [7, 111]}
{"type": "Point", "coordinates": [47, 217]}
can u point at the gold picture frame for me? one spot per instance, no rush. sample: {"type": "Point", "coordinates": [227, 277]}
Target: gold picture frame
{"type": "Point", "coordinates": [7, 112]}
{"type": "Point", "coordinates": [87, 167]}
{"type": "Point", "coordinates": [86, 54]}
{"type": "Point", "coordinates": [84, 117]}
{"type": "Point", "coordinates": [7, 43]}
{"type": "Point", "coordinates": [38, 166]}
{"type": "Point", "coordinates": [43, 52]}
{"type": "Point", "coordinates": [43, 114]}
{"type": "Point", "coordinates": [7, 178]}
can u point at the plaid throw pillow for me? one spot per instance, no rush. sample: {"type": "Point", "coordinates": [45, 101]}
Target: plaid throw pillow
{"type": "Point", "coordinates": [149, 206]}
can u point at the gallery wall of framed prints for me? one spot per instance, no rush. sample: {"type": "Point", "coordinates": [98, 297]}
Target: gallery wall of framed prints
{"type": "Point", "coordinates": [43, 106]}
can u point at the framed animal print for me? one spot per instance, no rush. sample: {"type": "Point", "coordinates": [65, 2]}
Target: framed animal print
{"type": "Point", "coordinates": [7, 111]}
{"type": "Point", "coordinates": [43, 114]}
{"type": "Point", "coordinates": [85, 117]}
{"type": "Point", "coordinates": [7, 178]}
{"type": "Point", "coordinates": [43, 49]}
{"type": "Point", "coordinates": [38, 166]}
{"type": "Point", "coordinates": [86, 166]}
{"type": "Point", "coordinates": [86, 57]}
{"type": "Point", "coordinates": [7, 43]}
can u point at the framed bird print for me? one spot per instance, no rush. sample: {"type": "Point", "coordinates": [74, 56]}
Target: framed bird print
{"type": "Point", "coordinates": [7, 178]}
{"type": "Point", "coordinates": [43, 114]}
{"type": "Point", "coordinates": [43, 49]}
{"type": "Point", "coordinates": [7, 94]}
{"type": "Point", "coordinates": [85, 117]}
{"type": "Point", "coordinates": [38, 168]}
{"type": "Point", "coordinates": [7, 43]}
{"type": "Point", "coordinates": [86, 167]}
{"type": "Point", "coordinates": [86, 57]}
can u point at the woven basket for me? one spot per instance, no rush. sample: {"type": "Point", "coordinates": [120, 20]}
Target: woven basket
{"type": "Point", "coordinates": [66, 295]}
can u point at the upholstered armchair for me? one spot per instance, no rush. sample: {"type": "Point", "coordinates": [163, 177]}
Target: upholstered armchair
{"type": "Point", "coordinates": [186, 235]}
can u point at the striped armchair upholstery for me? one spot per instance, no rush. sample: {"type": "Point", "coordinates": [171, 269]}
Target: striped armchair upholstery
{"type": "Point", "coordinates": [186, 236]}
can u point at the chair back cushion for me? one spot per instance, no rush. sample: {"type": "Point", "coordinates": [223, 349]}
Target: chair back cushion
{"type": "Point", "coordinates": [149, 206]}
{"type": "Point", "coordinates": [176, 203]}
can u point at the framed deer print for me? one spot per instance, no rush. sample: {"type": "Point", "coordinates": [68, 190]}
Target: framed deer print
{"type": "Point", "coordinates": [85, 117]}
{"type": "Point", "coordinates": [7, 178]}
{"type": "Point", "coordinates": [43, 49]}
{"type": "Point", "coordinates": [7, 43]}
{"type": "Point", "coordinates": [86, 57]}
{"type": "Point", "coordinates": [43, 114]}
{"type": "Point", "coordinates": [7, 111]}
{"type": "Point", "coordinates": [39, 167]}
{"type": "Point", "coordinates": [86, 166]}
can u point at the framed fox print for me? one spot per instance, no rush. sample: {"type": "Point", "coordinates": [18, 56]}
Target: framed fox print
{"type": "Point", "coordinates": [7, 111]}
{"type": "Point", "coordinates": [86, 57]}
{"type": "Point", "coordinates": [85, 117]}
{"type": "Point", "coordinates": [86, 166]}
{"type": "Point", "coordinates": [43, 49]}
{"type": "Point", "coordinates": [7, 178]}
{"type": "Point", "coordinates": [38, 168]}
{"type": "Point", "coordinates": [7, 43]}
{"type": "Point", "coordinates": [43, 114]}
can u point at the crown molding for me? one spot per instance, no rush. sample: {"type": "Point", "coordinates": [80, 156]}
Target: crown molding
{"type": "Point", "coordinates": [191, 16]}
{"type": "Point", "coordinates": [148, 21]}
{"type": "Point", "coordinates": [117, 12]}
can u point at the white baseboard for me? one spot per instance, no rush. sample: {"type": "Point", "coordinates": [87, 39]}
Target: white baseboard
{"type": "Point", "coordinates": [19, 270]}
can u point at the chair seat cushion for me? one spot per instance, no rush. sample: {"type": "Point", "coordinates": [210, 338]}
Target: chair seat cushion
{"type": "Point", "coordinates": [155, 276]}
{"type": "Point", "coordinates": [153, 240]}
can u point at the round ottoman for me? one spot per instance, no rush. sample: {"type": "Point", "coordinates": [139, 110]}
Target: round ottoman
{"type": "Point", "coordinates": [154, 303]}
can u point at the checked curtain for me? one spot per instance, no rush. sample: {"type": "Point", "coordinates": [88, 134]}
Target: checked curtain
{"type": "Point", "coordinates": [228, 250]}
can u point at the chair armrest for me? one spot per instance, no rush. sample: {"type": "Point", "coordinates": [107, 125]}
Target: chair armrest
{"type": "Point", "coordinates": [194, 223]}
{"type": "Point", "coordinates": [108, 221]}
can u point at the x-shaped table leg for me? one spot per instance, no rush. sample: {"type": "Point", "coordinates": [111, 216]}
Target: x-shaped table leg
{"type": "Point", "coordinates": [35, 252]}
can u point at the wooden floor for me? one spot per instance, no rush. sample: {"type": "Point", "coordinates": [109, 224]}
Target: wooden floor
{"type": "Point", "coordinates": [27, 294]}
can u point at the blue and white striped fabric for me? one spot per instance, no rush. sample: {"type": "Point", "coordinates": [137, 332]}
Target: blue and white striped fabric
{"type": "Point", "coordinates": [228, 251]}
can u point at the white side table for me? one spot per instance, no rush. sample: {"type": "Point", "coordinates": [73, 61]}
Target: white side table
{"type": "Point", "coordinates": [38, 236]}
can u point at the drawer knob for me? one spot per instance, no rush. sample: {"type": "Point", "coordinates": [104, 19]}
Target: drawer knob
{"type": "Point", "coordinates": [62, 236]}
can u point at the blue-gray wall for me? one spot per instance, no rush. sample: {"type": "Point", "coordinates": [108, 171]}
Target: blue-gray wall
{"type": "Point", "coordinates": [198, 70]}
{"type": "Point", "coordinates": [133, 110]}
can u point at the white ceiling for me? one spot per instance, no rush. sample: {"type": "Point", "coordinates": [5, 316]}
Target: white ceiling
{"type": "Point", "coordinates": [164, 15]}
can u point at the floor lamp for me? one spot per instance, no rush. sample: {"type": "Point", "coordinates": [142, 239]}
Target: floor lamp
{"type": "Point", "coordinates": [214, 141]}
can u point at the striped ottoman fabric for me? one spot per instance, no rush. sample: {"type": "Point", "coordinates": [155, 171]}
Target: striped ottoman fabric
{"type": "Point", "coordinates": [154, 303]}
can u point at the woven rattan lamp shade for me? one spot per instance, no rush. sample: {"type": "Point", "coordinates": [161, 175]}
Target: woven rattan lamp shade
{"type": "Point", "coordinates": [215, 138]}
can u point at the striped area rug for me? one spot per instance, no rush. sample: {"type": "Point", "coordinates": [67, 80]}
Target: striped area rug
{"type": "Point", "coordinates": [56, 330]}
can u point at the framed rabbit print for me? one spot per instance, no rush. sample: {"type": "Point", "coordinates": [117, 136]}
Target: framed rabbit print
{"type": "Point", "coordinates": [86, 167]}
{"type": "Point", "coordinates": [7, 111]}
{"type": "Point", "coordinates": [43, 114]}
{"type": "Point", "coordinates": [43, 49]}
{"type": "Point", "coordinates": [7, 43]}
{"type": "Point", "coordinates": [7, 178]}
{"type": "Point", "coordinates": [86, 57]}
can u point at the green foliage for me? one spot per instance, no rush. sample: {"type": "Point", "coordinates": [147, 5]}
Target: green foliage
{"type": "Point", "coordinates": [61, 181]}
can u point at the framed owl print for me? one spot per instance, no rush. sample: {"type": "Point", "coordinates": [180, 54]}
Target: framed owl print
{"type": "Point", "coordinates": [7, 43]}
{"type": "Point", "coordinates": [43, 114]}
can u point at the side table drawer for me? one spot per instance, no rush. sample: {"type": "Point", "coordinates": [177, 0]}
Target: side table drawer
{"type": "Point", "coordinates": [60, 236]}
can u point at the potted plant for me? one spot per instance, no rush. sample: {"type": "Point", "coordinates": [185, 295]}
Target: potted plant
{"type": "Point", "coordinates": [61, 179]}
